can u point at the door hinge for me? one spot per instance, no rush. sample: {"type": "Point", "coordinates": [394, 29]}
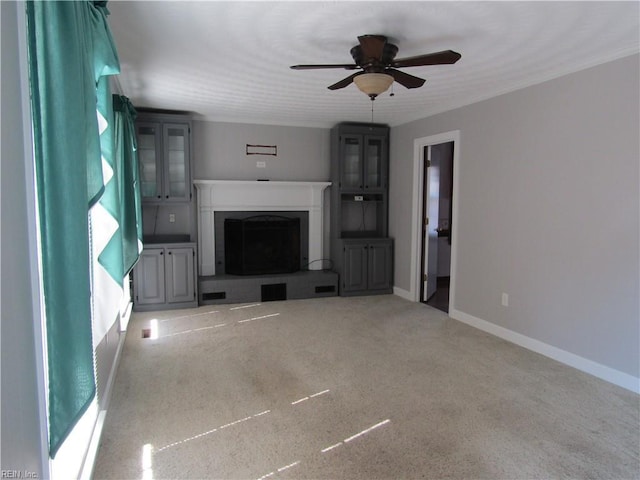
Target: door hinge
{"type": "Point", "coordinates": [428, 163]}
{"type": "Point", "coordinates": [426, 220]}
{"type": "Point", "coordinates": [424, 277]}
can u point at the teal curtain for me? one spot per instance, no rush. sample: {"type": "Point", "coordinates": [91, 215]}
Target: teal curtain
{"type": "Point", "coordinates": [126, 156]}
{"type": "Point", "coordinates": [111, 256]}
{"type": "Point", "coordinates": [70, 51]}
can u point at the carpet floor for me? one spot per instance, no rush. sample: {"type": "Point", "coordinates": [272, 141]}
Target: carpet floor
{"type": "Point", "coordinates": [353, 388]}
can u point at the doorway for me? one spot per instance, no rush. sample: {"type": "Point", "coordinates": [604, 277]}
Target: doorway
{"type": "Point", "coordinates": [437, 190]}
{"type": "Point", "coordinates": [434, 209]}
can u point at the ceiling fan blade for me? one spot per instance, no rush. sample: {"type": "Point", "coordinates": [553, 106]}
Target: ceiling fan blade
{"type": "Point", "coordinates": [344, 82]}
{"type": "Point", "coordinates": [437, 58]}
{"type": "Point", "coordinates": [372, 46]}
{"type": "Point", "coordinates": [405, 79]}
{"type": "Point", "coordinates": [346, 66]}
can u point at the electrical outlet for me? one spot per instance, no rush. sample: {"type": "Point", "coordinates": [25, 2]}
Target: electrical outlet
{"type": "Point", "coordinates": [358, 198]}
{"type": "Point", "coordinates": [172, 218]}
{"type": "Point", "coordinates": [505, 299]}
{"type": "Point", "coordinates": [261, 164]}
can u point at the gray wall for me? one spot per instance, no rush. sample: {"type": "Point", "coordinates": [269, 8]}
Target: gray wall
{"type": "Point", "coordinates": [21, 422]}
{"type": "Point", "coordinates": [220, 152]}
{"type": "Point", "coordinates": [548, 210]}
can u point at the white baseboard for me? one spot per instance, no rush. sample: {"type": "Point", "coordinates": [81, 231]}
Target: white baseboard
{"type": "Point", "coordinates": [125, 316]}
{"type": "Point", "coordinates": [401, 292]}
{"type": "Point", "coordinates": [603, 372]}
{"type": "Point", "coordinates": [92, 451]}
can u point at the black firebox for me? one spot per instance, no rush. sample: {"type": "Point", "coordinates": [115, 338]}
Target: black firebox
{"type": "Point", "coordinates": [262, 244]}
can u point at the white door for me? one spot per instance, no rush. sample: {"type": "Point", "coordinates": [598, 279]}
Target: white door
{"type": "Point", "coordinates": [420, 234]}
{"type": "Point", "coordinates": [431, 209]}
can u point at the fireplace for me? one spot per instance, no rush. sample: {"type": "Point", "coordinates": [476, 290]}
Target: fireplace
{"type": "Point", "coordinates": [262, 244]}
{"type": "Point", "coordinates": [220, 222]}
{"type": "Point", "coordinates": [218, 196]}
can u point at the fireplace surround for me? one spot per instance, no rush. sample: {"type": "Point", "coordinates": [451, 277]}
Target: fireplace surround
{"type": "Point", "coordinates": [257, 196]}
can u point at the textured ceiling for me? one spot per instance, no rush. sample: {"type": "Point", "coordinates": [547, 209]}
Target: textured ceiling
{"type": "Point", "coordinates": [229, 61]}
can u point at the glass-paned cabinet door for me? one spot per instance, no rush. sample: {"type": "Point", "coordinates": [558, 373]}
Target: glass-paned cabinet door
{"type": "Point", "coordinates": [148, 138]}
{"type": "Point", "coordinates": [374, 159]}
{"type": "Point", "coordinates": [351, 165]}
{"type": "Point", "coordinates": [176, 168]}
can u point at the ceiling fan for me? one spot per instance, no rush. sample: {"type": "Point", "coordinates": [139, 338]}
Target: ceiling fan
{"type": "Point", "coordinates": [376, 57]}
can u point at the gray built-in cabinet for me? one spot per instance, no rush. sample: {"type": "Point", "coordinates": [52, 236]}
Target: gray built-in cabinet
{"type": "Point", "coordinates": [164, 157]}
{"type": "Point", "coordinates": [361, 251]}
{"type": "Point", "coordinates": [367, 265]}
{"type": "Point", "coordinates": [165, 275]}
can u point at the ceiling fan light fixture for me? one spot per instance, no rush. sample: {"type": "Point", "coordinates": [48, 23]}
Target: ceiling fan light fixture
{"type": "Point", "coordinates": [373, 84]}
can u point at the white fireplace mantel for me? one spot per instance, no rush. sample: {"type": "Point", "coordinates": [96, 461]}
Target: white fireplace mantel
{"type": "Point", "coordinates": [241, 195]}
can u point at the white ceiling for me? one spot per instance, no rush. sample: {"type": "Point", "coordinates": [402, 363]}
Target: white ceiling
{"type": "Point", "coordinates": [229, 61]}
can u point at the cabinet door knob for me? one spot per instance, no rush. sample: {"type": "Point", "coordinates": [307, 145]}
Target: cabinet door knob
{"type": "Point", "coordinates": [159, 196]}
{"type": "Point", "coordinates": [166, 196]}
{"type": "Point", "coordinates": [169, 252]}
{"type": "Point", "coordinates": [161, 253]}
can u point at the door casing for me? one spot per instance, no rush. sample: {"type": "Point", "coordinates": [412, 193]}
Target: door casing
{"type": "Point", "coordinates": [419, 145]}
